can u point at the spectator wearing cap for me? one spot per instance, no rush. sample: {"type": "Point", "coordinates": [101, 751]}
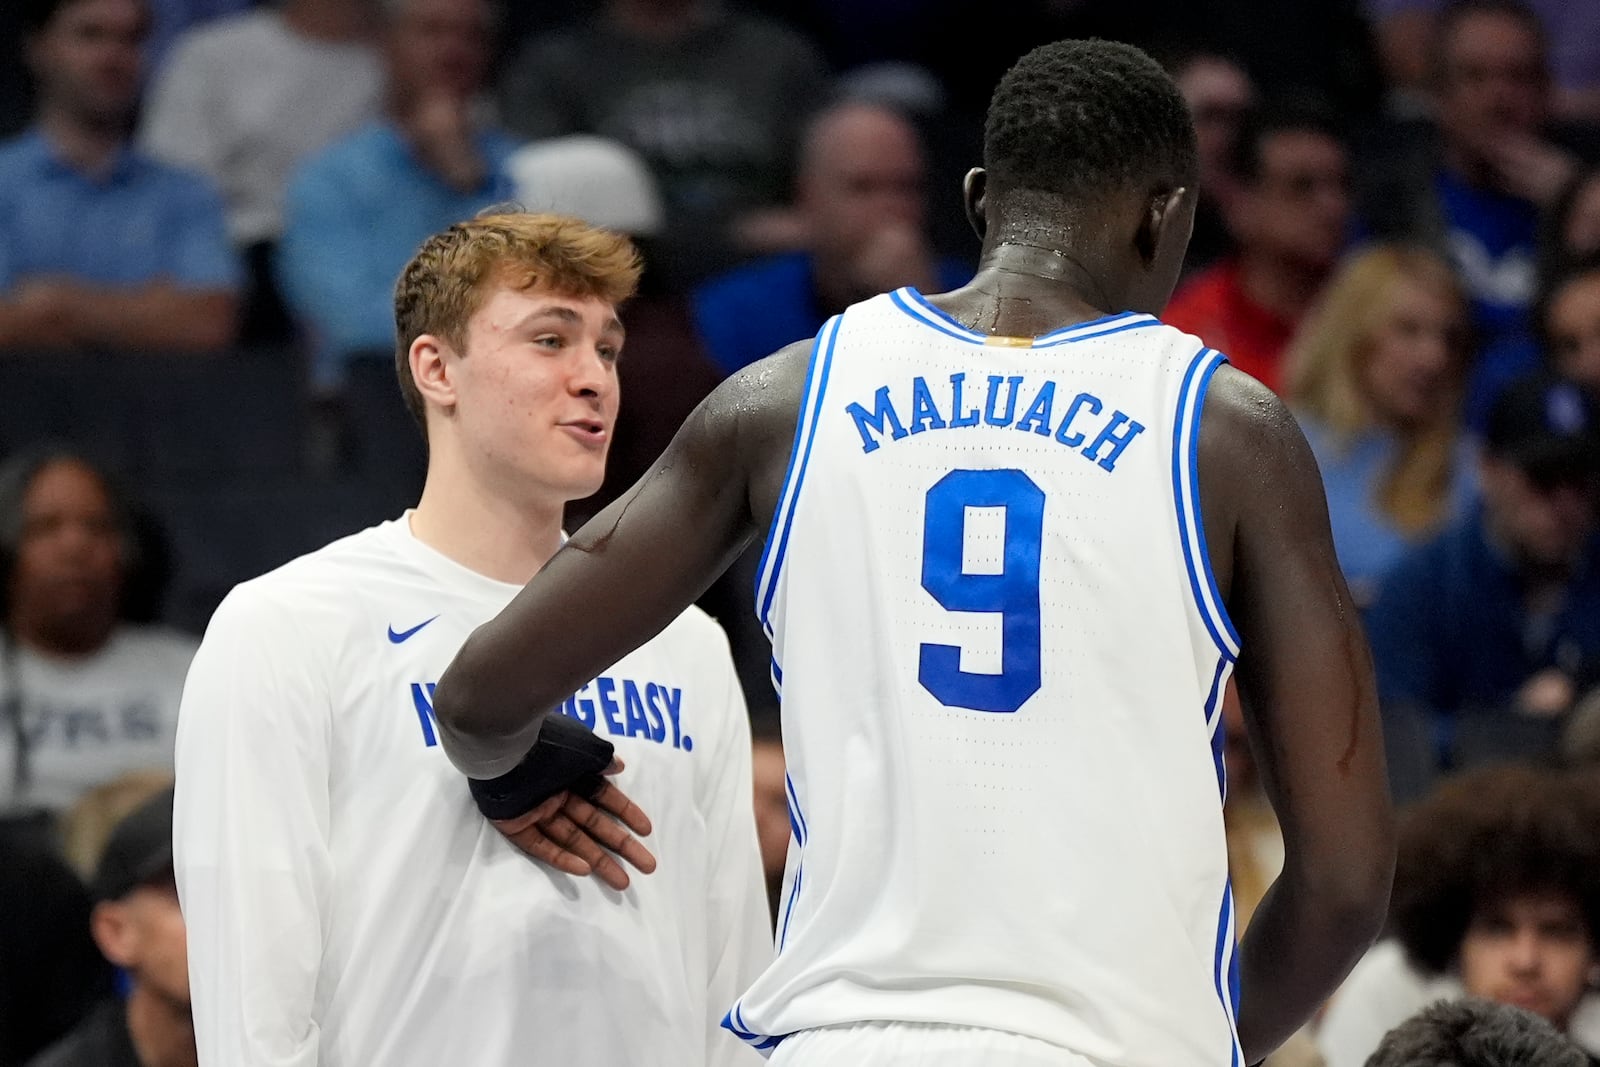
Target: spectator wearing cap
{"type": "Point", "coordinates": [357, 210]}
{"type": "Point", "coordinates": [139, 928]}
{"type": "Point", "coordinates": [862, 207]}
{"type": "Point", "coordinates": [1485, 637]}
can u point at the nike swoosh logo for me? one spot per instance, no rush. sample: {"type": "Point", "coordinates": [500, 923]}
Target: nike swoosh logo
{"type": "Point", "coordinates": [397, 638]}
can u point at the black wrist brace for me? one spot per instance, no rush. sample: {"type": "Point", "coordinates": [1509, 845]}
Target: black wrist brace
{"type": "Point", "coordinates": [567, 756]}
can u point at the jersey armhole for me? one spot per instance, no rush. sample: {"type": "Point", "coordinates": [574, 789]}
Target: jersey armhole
{"type": "Point", "coordinates": [1186, 496]}
{"type": "Point", "coordinates": [805, 433]}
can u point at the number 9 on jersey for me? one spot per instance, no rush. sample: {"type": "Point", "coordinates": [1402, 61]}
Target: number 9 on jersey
{"type": "Point", "coordinates": [1013, 593]}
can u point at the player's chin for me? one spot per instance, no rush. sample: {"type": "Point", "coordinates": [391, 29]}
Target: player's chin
{"type": "Point", "coordinates": [584, 479]}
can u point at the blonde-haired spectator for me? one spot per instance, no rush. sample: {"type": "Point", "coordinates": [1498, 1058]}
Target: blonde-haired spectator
{"type": "Point", "coordinates": [1375, 377]}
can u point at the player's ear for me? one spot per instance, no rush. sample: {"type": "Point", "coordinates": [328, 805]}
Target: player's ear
{"type": "Point", "coordinates": [431, 371]}
{"type": "Point", "coordinates": [973, 187]}
{"type": "Point", "coordinates": [1168, 219]}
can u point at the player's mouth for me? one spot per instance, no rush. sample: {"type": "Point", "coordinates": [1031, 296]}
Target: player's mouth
{"type": "Point", "coordinates": [589, 432]}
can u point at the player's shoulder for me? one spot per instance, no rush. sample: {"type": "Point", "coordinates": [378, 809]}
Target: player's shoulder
{"type": "Point", "coordinates": [755, 408]}
{"type": "Point", "coordinates": [1240, 414]}
{"type": "Point", "coordinates": [319, 587]}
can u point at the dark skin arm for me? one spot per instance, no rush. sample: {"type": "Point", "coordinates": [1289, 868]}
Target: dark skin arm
{"type": "Point", "coordinates": [634, 567]}
{"type": "Point", "coordinates": [1311, 708]}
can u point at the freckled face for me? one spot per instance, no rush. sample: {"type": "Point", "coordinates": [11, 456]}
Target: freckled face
{"type": "Point", "coordinates": [537, 392]}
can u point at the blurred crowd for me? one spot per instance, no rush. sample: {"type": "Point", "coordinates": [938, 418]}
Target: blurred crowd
{"type": "Point", "coordinates": [204, 204]}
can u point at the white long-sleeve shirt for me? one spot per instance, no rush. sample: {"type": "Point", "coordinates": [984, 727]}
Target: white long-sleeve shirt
{"type": "Point", "coordinates": [348, 906]}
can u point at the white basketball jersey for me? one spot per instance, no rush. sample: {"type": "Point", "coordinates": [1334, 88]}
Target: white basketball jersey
{"type": "Point", "coordinates": [1001, 657]}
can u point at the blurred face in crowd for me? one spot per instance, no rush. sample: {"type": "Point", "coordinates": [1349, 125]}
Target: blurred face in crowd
{"type": "Point", "coordinates": [1531, 951]}
{"type": "Point", "coordinates": [531, 400]}
{"type": "Point", "coordinates": [1298, 207]}
{"type": "Point", "coordinates": [88, 59]}
{"type": "Point", "coordinates": [68, 574]}
{"type": "Point", "coordinates": [863, 174]}
{"type": "Point", "coordinates": [440, 46]}
{"type": "Point", "coordinates": [143, 932]}
{"type": "Point", "coordinates": [1581, 233]}
{"type": "Point", "coordinates": [1573, 324]}
{"type": "Point", "coordinates": [1218, 94]}
{"type": "Point", "coordinates": [1545, 520]}
{"type": "Point", "coordinates": [1414, 353]}
{"type": "Point", "coordinates": [1492, 81]}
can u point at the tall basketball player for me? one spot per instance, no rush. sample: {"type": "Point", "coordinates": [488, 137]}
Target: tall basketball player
{"type": "Point", "coordinates": [1018, 536]}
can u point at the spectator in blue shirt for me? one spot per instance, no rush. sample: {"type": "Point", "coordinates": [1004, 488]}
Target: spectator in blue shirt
{"type": "Point", "coordinates": [862, 207]}
{"type": "Point", "coordinates": [1486, 637]}
{"type": "Point", "coordinates": [1375, 378]}
{"type": "Point", "coordinates": [358, 210]}
{"type": "Point", "coordinates": [99, 245]}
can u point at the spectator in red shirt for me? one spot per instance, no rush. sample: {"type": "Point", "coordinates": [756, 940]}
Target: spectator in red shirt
{"type": "Point", "coordinates": [1289, 217]}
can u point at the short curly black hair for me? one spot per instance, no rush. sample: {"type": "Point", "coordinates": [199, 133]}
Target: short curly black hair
{"type": "Point", "coordinates": [1082, 119]}
{"type": "Point", "coordinates": [1486, 837]}
{"type": "Point", "coordinates": [1475, 1033]}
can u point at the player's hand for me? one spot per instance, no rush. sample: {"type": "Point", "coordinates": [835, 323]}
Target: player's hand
{"type": "Point", "coordinates": [582, 837]}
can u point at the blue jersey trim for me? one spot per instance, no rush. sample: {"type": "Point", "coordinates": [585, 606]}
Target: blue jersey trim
{"type": "Point", "coordinates": [797, 823]}
{"type": "Point", "coordinates": [1225, 963]}
{"type": "Point", "coordinates": [1219, 609]}
{"type": "Point", "coordinates": [805, 433]}
{"type": "Point", "coordinates": [941, 322]}
{"type": "Point", "coordinates": [796, 818]}
{"type": "Point", "coordinates": [1138, 324]}
{"type": "Point", "coordinates": [1225, 969]}
{"type": "Point", "coordinates": [920, 308]}
{"type": "Point", "coordinates": [1061, 336]}
{"type": "Point", "coordinates": [732, 1021]}
{"type": "Point", "coordinates": [1186, 498]}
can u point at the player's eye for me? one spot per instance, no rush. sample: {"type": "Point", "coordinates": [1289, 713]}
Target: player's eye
{"type": "Point", "coordinates": [609, 353]}
{"type": "Point", "coordinates": [549, 340]}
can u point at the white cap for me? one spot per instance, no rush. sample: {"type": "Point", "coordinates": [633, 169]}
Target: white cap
{"type": "Point", "coordinates": [598, 180]}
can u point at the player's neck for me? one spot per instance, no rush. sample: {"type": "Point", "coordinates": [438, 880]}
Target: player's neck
{"type": "Point", "coordinates": [1030, 289]}
{"type": "Point", "coordinates": [498, 536]}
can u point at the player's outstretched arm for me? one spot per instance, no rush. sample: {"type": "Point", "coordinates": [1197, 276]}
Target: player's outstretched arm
{"type": "Point", "coordinates": [629, 572]}
{"type": "Point", "coordinates": [1310, 702]}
